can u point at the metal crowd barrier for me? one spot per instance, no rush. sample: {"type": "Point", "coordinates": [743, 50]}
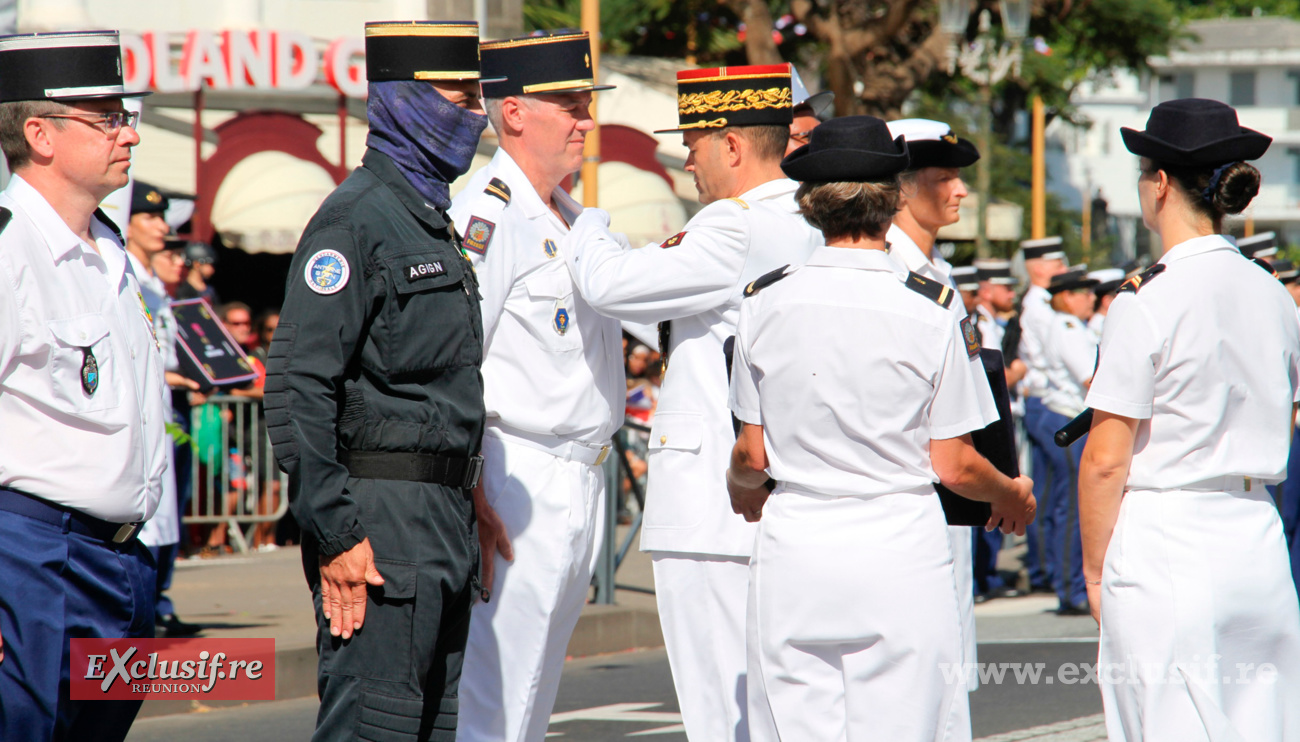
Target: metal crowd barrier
{"type": "Point", "coordinates": [612, 551]}
{"type": "Point", "coordinates": [233, 475]}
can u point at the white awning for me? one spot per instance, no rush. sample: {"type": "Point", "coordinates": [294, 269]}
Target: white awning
{"type": "Point", "coordinates": [267, 199]}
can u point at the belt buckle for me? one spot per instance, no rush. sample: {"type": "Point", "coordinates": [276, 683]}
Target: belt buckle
{"type": "Point", "coordinates": [473, 472]}
{"type": "Point", "coordinates": [125, 533]}
{"type": "Point", "coordinates": [604, 454]}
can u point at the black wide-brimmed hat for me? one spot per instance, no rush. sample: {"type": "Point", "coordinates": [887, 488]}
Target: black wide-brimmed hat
{"type": "Point", "coordinates": [77, 65]}
{"type": "Point", "coordinates": [850, 149]}
{"type": "Point", "coordinates": [558, 62]}
{"type": "Point", "coordinates": [1195, 132]}
{"type": "Point", "coordinates": [749, 95]}
{"type": "Point", "coordinates": [422, 50]}
{"type": "Point", "coordinates": [932, 144]}
{"type": "Point", "coordinates": [1075, 278]}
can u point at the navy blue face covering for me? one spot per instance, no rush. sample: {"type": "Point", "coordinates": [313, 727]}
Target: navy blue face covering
{"type": "Point", "coordinates": [429, 138]}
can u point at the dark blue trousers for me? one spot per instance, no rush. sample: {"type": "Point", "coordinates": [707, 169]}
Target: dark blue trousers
{"type": "Point", "coordinates": [1290, 507]}
{"type": "Point", "coordinates": [1046, 468]}
{"type": "Point", "coordinates": [165, 558]}
{"type": "Point", "coordinates": [57, 586]}
{"type": "Point", "coordinates": [986, 545]}
{"type": "Point", "coordinates": [1066, 548]}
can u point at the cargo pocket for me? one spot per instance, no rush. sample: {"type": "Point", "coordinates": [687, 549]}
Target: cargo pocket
{"type": "Point", "coordinates": [388, 718]}
{"type": "Point", "coordinates": [381, 650]}
{"type": "Point", "coordinates": [427, 320]}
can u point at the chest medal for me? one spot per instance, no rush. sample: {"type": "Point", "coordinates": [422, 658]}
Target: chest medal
{"type": "Point", "coordinates": [89, 372]}
{"type": "Point", "coordinates": [548, 247]}
{"type": "Point", "coordinates": [561, 321]}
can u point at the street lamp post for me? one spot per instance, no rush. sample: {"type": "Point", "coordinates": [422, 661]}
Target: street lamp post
{"type": "Point", "coordinates": [986, 61]}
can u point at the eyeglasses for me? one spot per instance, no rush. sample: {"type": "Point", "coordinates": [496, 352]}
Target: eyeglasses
{"type": "Point", "coordinates": [110, 123]}
{"type": "Point", "coordinates": [801, 137]}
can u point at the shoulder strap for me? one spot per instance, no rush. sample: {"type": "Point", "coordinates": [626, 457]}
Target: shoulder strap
{"type": "Point", "coordinates": [741, 202]}
{"type": "Point", "coordinates": [99, 214]}
{"type": "Point", "coordinates": [767, 279]}
{"type": "Point", "coordinates": [1142, 279]}
{"type": "Point", "coordinates": [939, 293]}
{"type": "Point", "coordinates": [5, 216]}
{"type": "Point", "coordinates": [1262, 263]}
{"type": "Point", "coordinates": [497, 187]}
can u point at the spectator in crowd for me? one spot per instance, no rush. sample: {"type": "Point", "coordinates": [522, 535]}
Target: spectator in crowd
{"type": "Point", "coordinates": [146, 238]}
{"type": "Point", "coordinates": [201, 260]}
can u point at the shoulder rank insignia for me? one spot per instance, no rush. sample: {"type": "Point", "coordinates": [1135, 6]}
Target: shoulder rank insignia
{"type": "Point", "coordinates": [478, 235]}
{"type": "Point", "coordinates": [673, 241]}
{"type": "Point", "coordinates": [767, 279]}
{"type": "Point", "coordinates": [112, 225]}
{"type": "Point", "coordinates": [497, 187]}
{"type": "Point", "coordinates": [971, 334]}
{"type": "Point", "coordinates": [939, 293]}
{"type": "Point", "coordinates": [1262, 263]}
{"type": "Point", "coordinates": [5, 216]}
{"type": "Point", "coordinates": [741, 202]}
{"type": "Point", "coordinates": [1142, 279]}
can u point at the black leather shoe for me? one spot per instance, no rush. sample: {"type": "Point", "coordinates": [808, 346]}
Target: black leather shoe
{"type": "Point", "coordinates": [173, 627]}
{"type": "Point", "coordinates": [1074, 610]}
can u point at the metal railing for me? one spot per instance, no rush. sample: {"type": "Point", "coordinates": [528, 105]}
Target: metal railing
{"type": "Point", "coordinates": [233, 475]}
{"type": "Point", "coordinates": [612, 553]}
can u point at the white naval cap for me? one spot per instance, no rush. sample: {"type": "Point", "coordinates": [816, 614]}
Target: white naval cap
{"type": "Point", "coordinates": [1262, 245]}
{"type": "Point", "coordinates": [966, 277]}
{"type": "Point", "coordinates": [933, 144]}
{"type": "Point", "coordinates": [1046, 248]}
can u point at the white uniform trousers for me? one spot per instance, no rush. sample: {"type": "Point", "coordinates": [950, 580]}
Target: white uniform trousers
{"type": "Point", "coordinates": [702, 601]}
{"type": "Point", "coordinates": [854, 631]}
{"type": "Point", "coordinates": [1196, 598]}
{"type": "Point", "coordinates": [552, 510]}
{"type": "Point", "coordinates": [960, 539]}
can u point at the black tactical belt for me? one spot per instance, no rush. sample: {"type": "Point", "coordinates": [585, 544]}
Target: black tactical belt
{"type": "Point", "coordinates": [430, 468]}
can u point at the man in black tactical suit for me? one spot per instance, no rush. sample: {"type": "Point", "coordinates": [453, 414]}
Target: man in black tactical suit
{"type": "Point", "coordinates": [374, 400]}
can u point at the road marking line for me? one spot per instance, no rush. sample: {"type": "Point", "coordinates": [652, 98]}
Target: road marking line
{"type": "Point", "coordinates": [674, 729]}
{"type": "Point", "coordinates": [1083, 729]}
{"type": "Point", "coordinates": [1044, 640]}
{"type": "Point", "coordinates": [631, 712]}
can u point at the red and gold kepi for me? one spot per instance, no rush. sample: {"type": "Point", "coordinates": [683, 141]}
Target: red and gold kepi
{"type": "Point", "coordinates": [752, 95]}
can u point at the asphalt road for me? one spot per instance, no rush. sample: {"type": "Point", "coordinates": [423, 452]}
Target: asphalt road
{"type": "Point", "coordinates": [630, 696]}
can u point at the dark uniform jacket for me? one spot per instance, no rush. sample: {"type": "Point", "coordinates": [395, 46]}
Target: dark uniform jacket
{"type": "Point", "coordinates": [388, 362]}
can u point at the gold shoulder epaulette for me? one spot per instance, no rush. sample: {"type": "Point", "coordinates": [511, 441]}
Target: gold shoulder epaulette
{"type": "Point", "coordinates": [767, 279]}
{"type": "Point", "coordinates": [1141, 279]}
{"type": "Point", "coordinates": [742, 203]}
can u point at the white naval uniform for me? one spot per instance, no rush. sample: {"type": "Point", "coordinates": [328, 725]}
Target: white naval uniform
{"type": "Point", "coordinates": [1070, 355]}
{"type": "Point", "coordinates": [1097, 324]}
{"type": "Point", "coordinates": [908, 254]}
{"type": "Point", "coordinates": [553, 401]}
{"type": "Point", "coordinates": [700, 547]}
{"type": "Point", "coordinates": [103, 454]}
{"type": "Point", "coordinates": [851, 374]}
{"type": "Point", "coordinates": [991, 332]}
{"type": "Point", "coordinates": [164, 527]}
{"type": "Point", "coordinates": [1196, 583]}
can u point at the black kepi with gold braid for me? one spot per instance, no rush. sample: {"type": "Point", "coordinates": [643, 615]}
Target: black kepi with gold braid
{"type": "Point", "coordinates": [422, 50]}
{"type": "Point", "coordinates": [751, 95]}
{"type": "Point", "coordinates": [530, 65]}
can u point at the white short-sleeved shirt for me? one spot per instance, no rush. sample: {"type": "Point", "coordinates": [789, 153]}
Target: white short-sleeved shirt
{"type": "Point", "coordinates": [904, 251]}
{"type": "Point", "coordinates": [1206, 356]}
{"type": "Point", "coordinates": [991, 331]}
{"type": "Point", "coordinates": [551, 364]}
{"type": "Point", "coordinates": [102, 453]}
{"type": "Point", "coordinates": [1097, 324]}
{"type": "Point", "coordinates": [1035, 316]}
{"type": "Point", "coordinates": [851, 374]}
{"type": "Point", "coordinates": [1070, 354]}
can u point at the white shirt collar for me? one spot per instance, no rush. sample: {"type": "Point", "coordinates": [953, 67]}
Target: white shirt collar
{"type": "Point", "coordinates": [847, 257]}
{"type": "Point", "coordinates": [523, 193]}
{"type": "Point", "coordinates": [769, 190]}
{"type": "Point", "coordinates": [57, 236]}
{"type": "Point", "coordinates": [1197, 246]}
{"type": "Point", "coordinates": [905, 250]}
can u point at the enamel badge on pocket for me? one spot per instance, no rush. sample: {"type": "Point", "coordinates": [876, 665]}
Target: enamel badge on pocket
{"type": "Point", "coordinates": [561, 320]}
{"type": "Point", "coordinates": [89, 372]}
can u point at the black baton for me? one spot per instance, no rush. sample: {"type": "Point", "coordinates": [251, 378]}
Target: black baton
{"type": "Point", "coordinates": [1075, 429]}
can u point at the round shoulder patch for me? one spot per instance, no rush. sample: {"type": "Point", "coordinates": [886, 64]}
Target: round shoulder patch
{"type": "Point", "coordinates": [327, 272]}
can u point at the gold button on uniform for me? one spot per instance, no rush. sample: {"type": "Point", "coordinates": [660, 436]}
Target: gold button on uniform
{"type": "Point", "coordinates": [663, 439]}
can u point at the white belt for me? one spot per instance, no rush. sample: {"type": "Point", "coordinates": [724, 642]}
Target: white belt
{"type": "Point", "coordinates": [1235, 483]}
{"type": "Point", "coordinates": [586, 453]}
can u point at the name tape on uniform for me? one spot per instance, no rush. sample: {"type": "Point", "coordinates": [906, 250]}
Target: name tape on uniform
{"type": "Point", "coordinates": [424, 269]}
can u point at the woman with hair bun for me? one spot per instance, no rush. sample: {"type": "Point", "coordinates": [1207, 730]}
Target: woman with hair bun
{"type": "Point", "coordinates": [1196, 384]}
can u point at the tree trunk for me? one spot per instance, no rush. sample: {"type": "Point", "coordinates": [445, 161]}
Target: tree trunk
{"type": "Point", "coordinates": [759, 46]}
